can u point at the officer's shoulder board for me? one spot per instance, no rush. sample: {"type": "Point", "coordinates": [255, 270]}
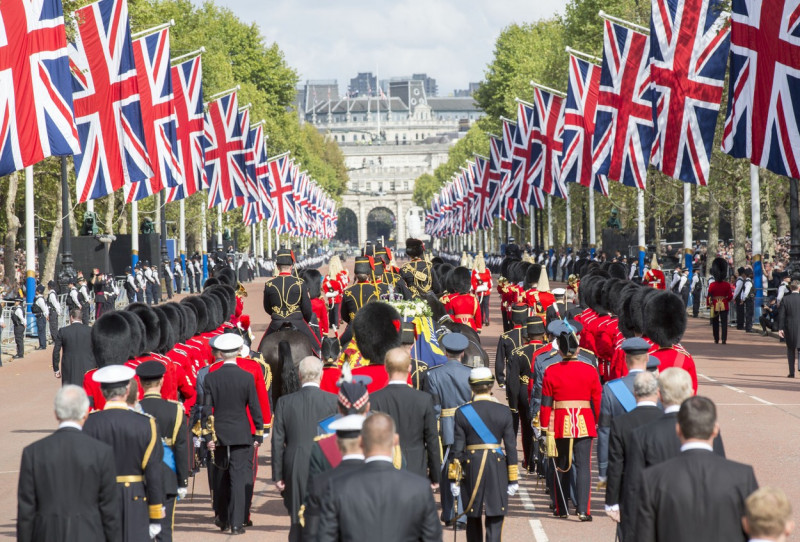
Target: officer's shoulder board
{"type": "Point", "coordinates": [320, 437]}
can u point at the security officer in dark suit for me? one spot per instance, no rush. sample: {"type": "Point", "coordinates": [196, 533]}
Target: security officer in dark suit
{"type": "Point", "coordinates": [287, 301]}
{"type": "Point", "coordinates": [171, 424]}
{"type": "Point", "coordinates": [230, 392]}
{"type": "Point", "coordinates": [490, 476]}
{"type": "Point", "coordinates": [137, 453]}
{"type": "Point", "coordinates": [449, 385]}
{"type": "Point", "coordinates": [418, 274]}
{"type": "Point", "coordinates": [75, 340]}
{"type": "Point", "coordinates": [510, 341]}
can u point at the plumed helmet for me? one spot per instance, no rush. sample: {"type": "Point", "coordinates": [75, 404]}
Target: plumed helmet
{"type": "Point", "coordinates": [376, 329]}
{"type": "Point", "coordinates": [111, 339]}
{"type": "Point", "coordinates": [461, 280]}
{"type": "Point", "coordinates": [152, 329]}
{"type": "Point", "coordinates": [664, 318]}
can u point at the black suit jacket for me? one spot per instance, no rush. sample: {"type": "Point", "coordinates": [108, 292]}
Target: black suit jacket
{"type": "Point", "coordinates": [415, 420]}
{"type": "Point", "coordinates": [76, 342]}
{"type": "Point", "coordinates": [230, 390]}
{"type": "Point", "coordinates": [695, 497]}
{"type": "Point", "coordinates": [658, 441]}
{"type": "Point", "coordinates": [317, 485]}
{"type": "Point", "coordinates": [789, 319]}
{"type": "Point", "coordinates": [171, 424]}
{"type": "Point", "coordinates": [68, 490]}
{"type": "Point", "coordinates": [379, 502]}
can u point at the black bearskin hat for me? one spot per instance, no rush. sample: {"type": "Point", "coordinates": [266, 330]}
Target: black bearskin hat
{"type": "Point", "coordinates": [461, 280]}
{"type": "Point", "coordinates": [376, 329]}
{"type": "Point", "coordinates": [623, 311]}
{"type": "Point", "coordinates": [176, 319]}
{"type": "Point", "coordinates": [719, 269]}
{"type": "Point", "coordinates": [617, 270]}
{"type": "Point", "coordinates": [211, 281]}
{"type": "Point", "coordinates": [168, 337]}
{"type": "Point", "coordinates": [443, 273]}
{"type": "Point", "coordinates": [226, 275]}
{"type": "Point", "coordinates": [586, 290]}
{"type": "Point", "coordinates": [189, 320]}
{"type": "Point", "coordinates": [414, 248]}
{"type": "Point", "coordinates": [610, 293]}
{"type": "Point", "coordinates": [505, 264]}
{"type": "Point", "coordinates": [532, 275]}
{"type": "Point", "coordinates": [637, 308]}
{"type": "Point", "coordinates": [214, 311]}
{"type": "Point", "coordinates": [313, 280]}
{"type": "Point", "coordinates": [201, 312]}
{"type": "Point", "coordinates": [227, 295]}
{"type": "Point", "coordinates": [224, 302]}
{"type": "Point", "coordinates": [138, 342]}
{"type": "Point", "coordinates": [665, 318]}
{"type": "Point", "coordinates": [152, 329]}
{"type": "Point", "coordinates": [111, 340]}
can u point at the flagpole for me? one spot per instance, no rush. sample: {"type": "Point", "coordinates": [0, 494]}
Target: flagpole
{"type": "Point", "coordinates": [193, 54]}
{"type": "Point", "coordinates": [204, 240]}
{"type": "Point", "coordinates": [153, 30]}
{"type": "Point", "coordinates": [30, 247]}
{"type": "Point", "coordinates": [586, 56]}
{"type": "Point", "coordinates": [592, 230]}
{"type": "Point", "coordinates": [134, 234]}
{"type": "Point", "coordinates": [269, 243]}
{"type": "Point", "coordinates": [549, 223]}
{"type": "Point", "coordinates": [531, 212]}
{"type": "Point", "coordinates": [688, 249]}
{"type": "Point", "coordinates": [569, 219]}
{"type": "Point", "coordinates": [219, 227]}
{"type": "Point", "coordinates": [640, 228]}
{"type": "Point", "coordinates": [182, 225]}
{"type": "Point", "coordinates": [261, 239]}
{"type": "Point", "coordinates": [755, 213]}
{"type": "Point", "coordinates": [547, 89]}
{"type": "Point", "coordinates": [221, 94]}
{"type": "Point", "coordinates": [603, 15]}
{"type": "Point", "coordinates": [253, 238]}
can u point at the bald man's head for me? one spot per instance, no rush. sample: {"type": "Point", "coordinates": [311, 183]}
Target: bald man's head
{"type": "Point", "coordinates": [378, 435]}
{"type": "Point", "coordinates": [397, 362]}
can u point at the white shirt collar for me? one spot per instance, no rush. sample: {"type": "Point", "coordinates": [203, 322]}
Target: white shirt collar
{"type": "Point", "coordinates": [399, 382]}
{"type": "Point", "coordinates": [672, 408]}
{"type": "Point", "coordinates": [73, 425]}
{"type": "Point", "coordinates": [386, 458]}
{"type": "Point", "coordinates": [314, 384]}
{"type": "Point", "coordinates": [353, 456]}
{"type": "Point", "coordinates": [230, 361]}
{"type": "Point", "coordinates": [696, 446]}
{"type": "Point", "coordinates": [646, 403]}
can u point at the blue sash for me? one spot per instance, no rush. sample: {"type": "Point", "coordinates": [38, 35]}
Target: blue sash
{"type": "Point", "coordinates": [477, 424]}
{"type": "Point", "coordinates": [324, 426]}
{"type": "Point", "coordinates": [169, 457]}
{"type": "Point", "coordinates": [623, 394]}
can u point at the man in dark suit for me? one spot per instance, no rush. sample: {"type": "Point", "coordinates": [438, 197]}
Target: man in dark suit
{"type": "Point", "coordinates": [378, 501]}
{"type": "Point", "coordinates": [231, 392]}
{"type": "Point", "coordinates": [412, 412]}
{"type": "Point", "coordinates": [789, 324]}
{"type": "Point", "coordinates": [293, 430]}
{"type": "Point", "coordinates": [698, 495]}
{"type": "Point", "coordinates": [76, 342]}
{"type": "Point", "coordinates": [618, 504]}
{"type": "Point", "coordinates": [67, 490]}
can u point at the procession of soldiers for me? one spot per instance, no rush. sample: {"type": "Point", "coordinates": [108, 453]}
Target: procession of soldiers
{"type": "Point", "coordinates": [381, 426]}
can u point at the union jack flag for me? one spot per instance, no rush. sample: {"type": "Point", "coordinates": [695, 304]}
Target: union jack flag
{"type": "Point", "coordinates": [579, 112]}
{"type": "Point", "coordinates": [224, 156]}
{"type": "Point", "coordinates": [36, 119]}
{"type": "Point", "coordinates": [515, 138]}
{"type": "Point", "coordinates": [623, 132]}
{"type": "Point", "coordinates": [280, 189]}
{"type": "Point", "coordinates": [763, 121]}
{"type": "Point", "coordinates": [261, 209]}
{"type": "Point", "coordinates": [547, 142]}
{"type": "Point", "coordinates": [187, 90]}
{"type": "Point", "coordinates": [106, 102]}
{"type": "Point", "coordinates": [151, 55]}
{"type": "Point", "coordinates": [688, 57]}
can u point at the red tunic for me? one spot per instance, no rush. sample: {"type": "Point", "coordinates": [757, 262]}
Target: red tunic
{"type": "Point", "coordinates": [655, 279]}
{"type": "Point", "coordinates": [466, 309]}
{"type": "Point", "coordinates": [378, 374]}
{"type": "Point", "coordinates": [239, 307]}
{"type": "Point", "coordinates": [720, 294]}
{"type": "Point", "coordinates": [510, 295]}
{"type": "Point", "coordinates": [321, 310]}
{"type": "Point", "coordinates": [587, 320]}
{"type": "Point", "coordinates": [676, 356]}
{"type": "Point", "coordinates": [479, 279]}
{"type": "Point", "coordinates": [538, 301]}
{"type": "Point", "coordinates": [571, 380]}
{"type": "Point", "coordinates": [332, 285]}
{"type": "Point", "coordinates": [252, 367]}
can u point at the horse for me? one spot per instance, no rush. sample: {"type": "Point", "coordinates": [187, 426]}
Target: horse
{"type": "Point", "coordinates": [444, 324]}
{"type": "Point", "coordinates": [283, 350]}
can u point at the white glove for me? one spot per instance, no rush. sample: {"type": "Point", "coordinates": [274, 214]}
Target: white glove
{"type": "Point", "coordinates": [196, 441]}
{"type": "Point", "coordinates": [512, 489]}
{"type": "Point", "coordinates": [182, 493]}
{"type": "Point", "coordinates": [155, 530]}
{"type": "Point", "coordinates": [455, 489]}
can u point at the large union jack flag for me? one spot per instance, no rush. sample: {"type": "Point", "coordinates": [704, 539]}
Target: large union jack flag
{"type": "Point", "coordinates": [547, 142]}
{"type": "Point", "coordinates": [763, 121]}
{"type": "Point", "coordinates": [688, 57]}
{"type": "Point", "coordinates": [224, 156]}
{"type": "Point", "coordinates": [623, 132]}
{"type": "Point", "coordinates": [36, 118]}
{"type": "Point", "coordinates": [280, 189]}
{"type": "Point", "coordinates": [187, 90]}
{"type": "Point", "coordinates": [151, 55]}
{"type": "Point", "coordinates": [579, 113]}
{"type": "Point", "coordinates": [106, 102]}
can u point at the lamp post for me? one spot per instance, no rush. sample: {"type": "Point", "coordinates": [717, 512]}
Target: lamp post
{"type": "Point", "coordinates": [67, 273]}
{"type": "Point", "coordinates": [794, 217]}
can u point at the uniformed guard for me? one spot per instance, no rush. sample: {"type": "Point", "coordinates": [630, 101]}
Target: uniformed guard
{"type": "Point", "coordinates": [449, 385]}
{"type": "Point", "coordinates": [138, 454]}
{"type": "Point", "coordinates": [198, 272]}
{"type": "Point", "coordinates": [18, 320]}
{"type": "Point", "coordinates": [41, 312]}
{"type": "Point", "coordinates": [571, 395]}
{"type": "Point", "coordinates": [98, 287]}
{"type": "Point", "coordinates": [190, 275]}
{"type": "Point", "coordinates": [53, 307]}
{"type": "Point", "coordinates": [537, 293]}
{"type": "Point", "coordinates": [462, 305]}
{"type": "Point", "coordinates": [561, 308]}
{"type": "Point", "coordinates": [654, 277]}
{"type": "Point", "coordinates": [509, 341]}
{"type": "Point", "coordinates": [482, 285]}
{"type": "Point", "coordinates": [86, 300]}
{"type": "Point", "coordinates": [391, 274]}
{"type": "Point", "coordinates": [664, 324]}
{"type": "Point", "coordinates": [178, 276]}
{"type": "Point", "coordinates": [618, 397]}
{"type": "Point", "coordinates": [171, 424]}
{"type": "Point", "coordinates": [169, 276]}
{"type": "Point", "coordinates": [490, 474]}
{"type": "Point", "coordinates": [286, 299]}
{"type": "Point", "coordinates": [417, 273]}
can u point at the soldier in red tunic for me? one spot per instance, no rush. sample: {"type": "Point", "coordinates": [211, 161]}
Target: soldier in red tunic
{"type": "Point", "coordinates": [571, 394]}
{"type": "Point", "coordinates": [537, 291]}
{"type": "Point", "coordinates": [664, 324]}
{"type": "Point", "coordinates": [463, 306]}
{"type": "Point", "coordinates": [482, 285]}
{"type": "Point", "coordinates": [720, 294]}
{"type": "Point", "coordinates": [654, 277]}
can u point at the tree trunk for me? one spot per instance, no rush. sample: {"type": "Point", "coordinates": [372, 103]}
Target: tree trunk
{"type": "Point", "coordinates": [9, 256]}
{"type": "Point", "coordinates": [109, 218]}
{"type": "Point", "coordinates": [739, 229]}
{"type": "Point", "coordinates": [782, 222]}
{"type": "Point", "coordinates": [713, 230]}
{"type": "Point", "coordinates": [55, 241]}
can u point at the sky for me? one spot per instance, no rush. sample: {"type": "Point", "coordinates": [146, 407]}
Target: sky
{"type": "Point", "coordinates": [450, 40]}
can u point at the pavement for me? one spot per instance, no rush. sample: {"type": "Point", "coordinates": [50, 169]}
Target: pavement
{"type": "Point", "coordinates": [757, 405]}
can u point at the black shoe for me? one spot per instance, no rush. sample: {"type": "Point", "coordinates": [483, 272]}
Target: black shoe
{"type": "Point", "coordinates": [561, 515]}
{"type": "Point", "coordinates": [223, 525]}
{"type": "Point", "coordinates": [584, 517]}
{"type": "Point", "coordinates": [237, 530]}
{"type": "Point", "coordinates": [459, 526]}
{"type": "Point", "coordinates": [724, 342]}
{"type": "Point", "coordinates": [716, 342]}
{"type": "Point", "coordinates": [790, 375]}
{"type": "Point", "coordinates": [248, 523]}
{"type": "Point", "coordinates": [17, 357]}
{"type": "Point", "coordinates": [42, 348]}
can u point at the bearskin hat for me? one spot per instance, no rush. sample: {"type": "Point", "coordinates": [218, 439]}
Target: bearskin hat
{"type": "Point", "coordinates": [152, 329]}
{"type": "Point", "coordinates": [138, 342]}
{"type": "Point", "coordinates": [414, 248]}
{"type": "Point", "coordinates": [376, 329]}
{"type": "Point", "coordinates": [637, 308]}
{"type": "Point", "coordinates": [532, 275]}
{"type": "Point", "coordinates": [579, 267]}
{"type": "Point", "coordinates": [211, 281]}
{"type": "Point", "coordinates": [443, 273]}
{"type": "Point", "coordinates": [168, 338]}
{"type": "Point", "coordinates": [610, 293]}
{"type": "Point", "coordinates": [623, 310]}
{"type": "Point", "coordinates": [230, 295]}
{"type": "Point", "coordinates": [436, 260]}
{"type": "Point", "coordinates": [190, 320]}
{"type": "Point", "coordinates": [111, 340]}
{"type": "Point", "coordinates": [617, 270]}
{"type": "Point", "coordinates": [224, 302]}
{"type": "Point", "coordinates": [586, 292]}
{"type": "Point", "coordinates": [214, 311]}
{"type": "Point", "coordinates": [664, 318]}
{"type": "Point", "coordinates": [313, 280]}
{"type": "Point", "coordinates": [505, 264]}
{"type": "Point", "coordinates": [513, 250]}
{"type": "Point", "coordinates": [461, 280]}
{"type": "Point", "coordinates": [719, 269]}
{"type": "Point", "coordinates": [200, 310]}
{"type": "Point", "coordinates": [176, 319]}
{"type": "Point", "coordinates": [595, 297]}
{"type": "Point", "coordinates": [226, 275]}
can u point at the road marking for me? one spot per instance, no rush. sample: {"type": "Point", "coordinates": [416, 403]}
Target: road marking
{"type": "Point", "coordinates": [9, 471]}
{"type": "Point", "coordinates": [538, 531]}
{"type": "Point", "coordinates": [737, 390]}
{"type": "Point", "coordinates": [760, 400]}
{"type": "Point", "coordinates": [525, 497]}
{"type": "Point", "coordinates": [706, 377]}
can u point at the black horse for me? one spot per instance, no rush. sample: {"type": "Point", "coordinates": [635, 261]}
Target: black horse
{"type": "Point", "coordinates": [283, 350]}
{"type": "Point", "coordinates": [444, 324]}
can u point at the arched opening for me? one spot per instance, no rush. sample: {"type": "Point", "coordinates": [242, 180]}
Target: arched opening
{"type": "Point", "coordinates": [381, 224]}
{"type": "Point", "coordinates": [347, 227]}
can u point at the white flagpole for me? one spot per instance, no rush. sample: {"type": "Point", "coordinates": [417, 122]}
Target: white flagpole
{"type": "Point", "coordinates": [182, 226]}
{"type": "Point", "coordinates": [549, 223]}
{"type": "Point", "coordinates": [30, 248]}
{"type": "Point", "coordinates": [269, 243]}
{"type": "Point", "coordinates": [640, 229]}
{"type": "Point", "coordinates": [531, 214]}
{"type": "Point", "coordinates": [592, 229]}
{"type": "Point", "coordinates": [134, 234]}
{"type": "Point", "coordinates": [688, 249]}
{"type": "Point", "coordinates": [569, 217]}
{"type": "Point", "coordinates": [204, 240]}
{"type": "Point", "coordinates": [219, 228]}
{"type": "Point", "coordinates": [755, 213]}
